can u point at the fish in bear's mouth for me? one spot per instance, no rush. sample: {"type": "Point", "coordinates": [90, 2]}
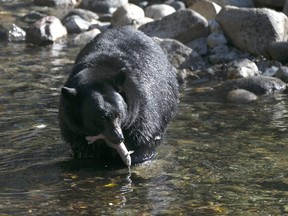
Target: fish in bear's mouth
{"type": "Point", "coordinates": [120, 148]}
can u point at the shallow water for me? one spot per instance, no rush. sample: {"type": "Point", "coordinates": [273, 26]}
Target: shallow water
{"type": "Point", "coordinates": [218, 158]}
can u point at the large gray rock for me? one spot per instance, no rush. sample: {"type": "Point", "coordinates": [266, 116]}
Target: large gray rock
{"type": "Point", "coordinates": [253, 30]}
{"type": "Point", "coordinates": [258, 85]}
{"type": "Point", "coordinates": [278, 51]}
{"type": "Point", "coordinates": [276, 4]}
{"type": "Point", "coordinates": [206, 8]}
{"type": "Point", "coordinates": [183, 25]}
{"type": "Point", "coordinates": [55, 3]}
{"type": "Point", "coordinates": [46, 30]}
{"type": "Point", "coordinates": [102, 6]}
{"type": "Point", "coordinates": [222, 3]}
{"type": "Point", "coordinates": [158, 11]}
{"type": "Point", "coordinates": [127, 15]}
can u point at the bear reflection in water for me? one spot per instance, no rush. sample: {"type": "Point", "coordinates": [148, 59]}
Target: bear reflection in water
{"type": "Point", "coordinates": [119, 98]}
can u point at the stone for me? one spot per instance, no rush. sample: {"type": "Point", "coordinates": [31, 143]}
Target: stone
{"type": "Point", "coordinates": [179, 55]}
{"type": "Point", "coordinates": [241, 96]}
{"type": "Point", "coordinates": [127, 15]}
{"type": "Point", "coordinates": [285, 9]}
{"type": "Point", "coordinates": [183, 25]}
{"type": "Point", "coordinates": [85, 37]}
{"type": "Point", "coordinates": [46, 30]}
{"type": "Point", "coordinates": [199, 45]}
{"type": "Point", "coordinates": [75, 24]}
{"type": "Point", "coordinates": [53, 3]}
{"type": "Point", "coordinates": [86, 15]}
{"type": "Point", "coordinates": [258, 85]}
{"type": "Point", "coordinates": [275, 4]}
{"type": "Point", "coordinates": [215, 39]}
{"type": "Point", "coordinates": [206, 8]}
{"type": "Point", "coordinates": [222, 54]}
{"type": "Point", "coordinates": [222, 3]}
{"type": "Point", "coordinates": [242, 68]}
{"type": "Point", "coordinates": [158, 11]}
{"type": "Point", "coordinates": [102, 6]}
{"type": "Point", "coordinates": [253, 30]}
{"type": "Point", "coordinates": [11, 33]}
{"type": "Point", "coordinates": [178, 5]}
{"type": "Point", "coordinates": [282, 74]}
{"type": "Point", "coordinates": [278, 51]}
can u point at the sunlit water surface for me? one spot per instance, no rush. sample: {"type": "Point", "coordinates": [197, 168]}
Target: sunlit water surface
{"type": "Point", "coordinates": [217, 159]}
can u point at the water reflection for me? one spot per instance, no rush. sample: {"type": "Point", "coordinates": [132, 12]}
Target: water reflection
{"type": "Point", "coordinates": [218, 158]}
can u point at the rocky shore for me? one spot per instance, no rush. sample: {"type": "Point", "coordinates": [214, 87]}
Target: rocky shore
{"type": "Point", "coordinates": [240, 43]}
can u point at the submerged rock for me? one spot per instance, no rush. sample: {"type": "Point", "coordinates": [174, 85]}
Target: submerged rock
{"type": "Point", "coordinates": [258, 85]}
{"type": "Point", "coordinates": [241, 96]}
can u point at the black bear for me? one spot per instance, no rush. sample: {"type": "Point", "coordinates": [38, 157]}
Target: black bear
{"type": "Point", "coordinates": [119, 98]}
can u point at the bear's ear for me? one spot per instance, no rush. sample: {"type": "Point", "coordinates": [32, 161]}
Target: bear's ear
{"type": "Point", "coordinates": [120, 77]}
{"type": "Point", "coordinates": [69, 93]}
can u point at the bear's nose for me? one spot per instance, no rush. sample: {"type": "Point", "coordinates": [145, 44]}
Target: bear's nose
{"type": "Point", "coordinates": [115, 136]}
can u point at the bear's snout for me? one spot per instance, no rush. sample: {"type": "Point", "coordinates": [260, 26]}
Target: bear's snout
{"type": "Point", "coordinates": [114, 135]}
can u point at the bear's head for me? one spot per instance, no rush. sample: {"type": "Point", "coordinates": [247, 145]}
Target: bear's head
{"type": "Point", "coordinates": [95, 109]}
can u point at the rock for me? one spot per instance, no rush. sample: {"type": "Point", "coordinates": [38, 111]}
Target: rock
{"type": "Point", "coordinates": [242, 68]}
{"type": "Point", "coordinates": [75, 24]}
{"type": "Point", "coordinates": [102, 6]}
{"type": "Point", "coordinates": [258, 85]}
{"type": "Point", "coordinates": [285, 9]}
{"type": "Point", "coordinates": [53, 3]}
{"type": "Point", "coordinates": [127, 15]}
{"type": "Point", "coordinates": [33, 16]}
{"type": "Point", "coordinates": [275, 4]}
{"type": "Point", "coordinates": [46, 30]}
{"type": "Point", "coordinates": [206, 8]}
{"type": "Point", "coordinates": [271, 71]}
{"type": "Point", "coordinates": [11, 33]}
{"type": "Point", "coordinates": [253, 30]}
{"type": "Point", "coordinates": [215, 39]}
{"type": "Point", "coordinates": [199, 45]}
{"type": "Point", "coordinates": [85, 37]}
{"type": "Point", "coordinates": [86, 15]}
{"type": "Point", "coordinates": [222, 54]}
{"type": "Point", "coordinates": [222, 3]}
{"type": "Point", "coordinates": [215, 27]}
{"type": "Point", "coordinates": [158, 11]}
{"type": "Point", "coordinates": [183, 25]}
{"type": "Point", "coordinates": [178, 54]}
{"type": "Point", "coordinates": [282, 74]}
{"type": "Point", "coordinates": [241, 96]}
{"type": "Point", "coordinates": [278, 51]}
{"type": "Point", "coordinates": [178, 5]}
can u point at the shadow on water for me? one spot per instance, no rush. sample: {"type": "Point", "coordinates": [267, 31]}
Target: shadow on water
{"type": "Point", "coordinates": [218, 158]}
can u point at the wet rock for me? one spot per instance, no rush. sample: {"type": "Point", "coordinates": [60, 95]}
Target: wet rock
{"type": "Point", "coordinates": [12, 33]}
{"type": "Point", "coordinates": [278, 51]}
{"type": "Point", "coordinates": [158, 11]}
{"type": "Point", "coordinates": [222, 54]}
{"type": "Point", "coordinates": [199, 45]}
{"type": "Point", "coordinates": [85, 37]}
{"type": "Point", "coordinates": [282, 73]}
{"type": "Point", "coordinates": [53, 3]}
{"type": "Point", "coordinates": [178, 54]}
{"type": "Point", "coordinates": [206, 8]}
{"type": "Point", "coordinates": [46, 30]}
{"type": "Point", "coordinates": [102, 6]}
{"type": "Point", "coordinates": [222, 3]}
{"type": "Point", "coordinates": [33, 16]}
{"type": "Point", "coordinates": [275, 4]}
{"type": "Point", "coordinates": [271, 71]}
{"type": "Point", "coordinates": [86, 15]}
{"type": "Point", "coordinates": [258, 85]}
{"type": "Point", "coordinates": [241, 96]}
{"type": "Point", "coordinates": [75, 24]}
{"type": "Point", "coordinates": [127, 15]}
{"type": "Point", "coordinates": [178, 5]}
{"type": "Point", "coordinates": [242, 68]}
{"type": "Point", "coordinates": [183, 25]}
{"type": "Point", "coordinates": [253, 30]}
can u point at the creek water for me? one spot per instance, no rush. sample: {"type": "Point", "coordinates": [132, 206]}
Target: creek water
{"type": "Point", "coordinates": [217, 158]}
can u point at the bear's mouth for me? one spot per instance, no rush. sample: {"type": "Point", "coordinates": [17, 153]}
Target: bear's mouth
{"type": "Point", "coordinates": [120, 148]}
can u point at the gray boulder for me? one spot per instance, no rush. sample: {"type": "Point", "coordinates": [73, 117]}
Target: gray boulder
{"type": "Point", "coordinates": [258, 85]}
{"type": "Point", "coordinates": [46, 30]}
{"type": "Point", "coordinates": [253, 30]}
{"type": "Point", "coordinates": [183, 25]}
{"type": "Point", "coordinates": [278, 51]}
